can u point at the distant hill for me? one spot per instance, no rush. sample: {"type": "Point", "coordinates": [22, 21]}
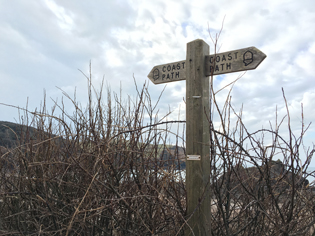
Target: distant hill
{"type": "Point", "coordinates": [11, 134]}
{"type": "Point", "coordinates": [280, 179]}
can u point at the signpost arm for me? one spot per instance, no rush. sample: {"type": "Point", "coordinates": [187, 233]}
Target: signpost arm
{"type": "Point", "coordinates": [197, 140]}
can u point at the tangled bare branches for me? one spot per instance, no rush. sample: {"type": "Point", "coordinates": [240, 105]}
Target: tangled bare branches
{"type": "Point", "coordinates": [102, 173]}
{"type": "Point", "coordinates": [107, 170]}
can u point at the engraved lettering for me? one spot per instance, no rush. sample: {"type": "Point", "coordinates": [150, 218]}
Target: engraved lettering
{"type": "Point", "coordinates": [223, 58]}
{"type": "Point", "coordinates": [230, 57]}
{"type": "Point", "coordinates": [211, 68]}
{"type": "Point", "coordinates": [228, 66]}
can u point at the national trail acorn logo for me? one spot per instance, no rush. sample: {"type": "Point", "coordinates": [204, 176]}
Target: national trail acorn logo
{"type": "Point", "coordinates": [156, 74]}
{"type": "Point", "coordinates": [248, 58]}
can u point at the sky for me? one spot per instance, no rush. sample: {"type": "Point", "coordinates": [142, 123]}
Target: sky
{"type": "Point", "coordinates": [44, 46]}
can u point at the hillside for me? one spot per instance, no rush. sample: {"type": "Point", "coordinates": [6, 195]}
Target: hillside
{"type": "Point", "coordinates": [10, 133]}
{"type": "Point", "coordinates": [275, 175]}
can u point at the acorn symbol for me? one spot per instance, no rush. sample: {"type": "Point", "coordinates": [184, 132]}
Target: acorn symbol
{"type": "Point", "coordinates": [156, 74]}
{"type": "Point", "coordinates": [248, 58]}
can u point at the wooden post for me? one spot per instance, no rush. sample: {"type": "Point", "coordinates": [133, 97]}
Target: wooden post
{"type": "Point", "coordinates": [197, 140]}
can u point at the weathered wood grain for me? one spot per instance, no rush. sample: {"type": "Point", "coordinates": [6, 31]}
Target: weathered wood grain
{"type": "Point", "coordinates": [197, 139]}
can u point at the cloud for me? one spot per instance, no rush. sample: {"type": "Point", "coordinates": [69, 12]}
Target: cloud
{"type": "Point", "coordinates": [44, 43]}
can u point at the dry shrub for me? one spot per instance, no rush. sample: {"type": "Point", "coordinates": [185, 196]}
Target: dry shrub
{"type": "Point", "coordinates": [107, 170]}
{"type": "Point", "coordinates": [99, 171]}
{"type": "Point", "coordinates": [261, 189]}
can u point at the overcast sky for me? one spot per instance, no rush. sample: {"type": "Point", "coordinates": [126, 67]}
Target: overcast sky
{"type": "Point", "coordinates": [44, 44]}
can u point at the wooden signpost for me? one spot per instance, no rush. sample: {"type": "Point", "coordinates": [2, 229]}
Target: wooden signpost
{"type": "Point", "coordinates": [196, 70]}
{"type": "Point", "coordinates": [221, 63]}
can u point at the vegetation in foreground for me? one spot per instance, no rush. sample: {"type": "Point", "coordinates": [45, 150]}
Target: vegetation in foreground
{"type": "Point", "coordinates": [103, 171]}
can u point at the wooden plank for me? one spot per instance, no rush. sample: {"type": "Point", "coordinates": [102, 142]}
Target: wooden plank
{"type": "Point", "coordinates": [197, 140]}
{"type": "Point", "coordinates": [233, 61]}
{"type": "Point", "coordinates": [170, 72]}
